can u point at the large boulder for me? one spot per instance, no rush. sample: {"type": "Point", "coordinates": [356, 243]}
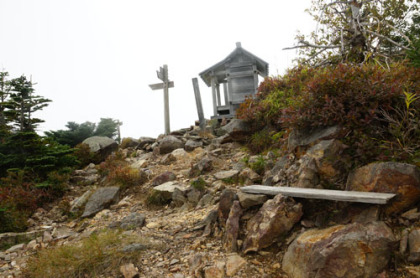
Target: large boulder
{"type": "Point", "coordinates": [102, 146]}
{"type": "Point", "coordinates": [274, 220]}
{"type": "Point", "coordinates": [165, 190]}
{"type": "Point", "coordinates": [414, 245]}
{"type": "Point", "coordinates": [236, 131]}
{"type": "Point", "coordinates": [101, 199]}
{"type": "Point", "coordinates": [347, 251]}
{"type": "Point", "coordinates": [305, 137]}
{"type": "Point", "coordinates": [321, 164]}
{"type": "Point", "coordinates": [169, 143]}
{"type": "Point", "coordinates": [388, 177]}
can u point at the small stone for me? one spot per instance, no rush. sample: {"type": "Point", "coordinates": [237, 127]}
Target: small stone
{"type": "Point", "coordinates": [234, 264]}
{"type": "Point", "coordinates": [15, 248]}
{"type": "Point", "coordinates": [134, 247]}
{"type": "Point", "coordinates": [129, 271]}
{"type": "Point", "coordinates": [174, 261]}
{"type": "Point", "coordinates": [152, 225]}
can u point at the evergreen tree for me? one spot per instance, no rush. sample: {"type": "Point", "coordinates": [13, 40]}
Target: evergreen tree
{"type": "Point", "coordinates": [23, 103]}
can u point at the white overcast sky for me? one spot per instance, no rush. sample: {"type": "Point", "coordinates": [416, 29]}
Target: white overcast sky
{"type": "Point", "coordinates": [96, 59]}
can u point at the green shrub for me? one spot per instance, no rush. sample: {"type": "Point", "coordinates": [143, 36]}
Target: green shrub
{"type": "Point", "coordinates": [258, 166]}
{"type": "Point", "coordinates": [199, 184]}
{"type": "Point", "coordinates": [157, 198]}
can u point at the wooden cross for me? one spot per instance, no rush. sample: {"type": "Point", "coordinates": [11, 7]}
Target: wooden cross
{"type": "Point", "coordinates": [162, 74]}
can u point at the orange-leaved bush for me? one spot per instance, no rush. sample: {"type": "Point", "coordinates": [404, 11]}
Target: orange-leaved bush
{"type": "Point", "coordinates": [364, 100]}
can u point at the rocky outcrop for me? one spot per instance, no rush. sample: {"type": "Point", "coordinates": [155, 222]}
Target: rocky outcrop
{"type": "Point", "coordinates": [274, 220]}
{"type": "Point", "coordinates": [236, 131]}
{"type": "Point", "coordinates": [249, 200]}
{"type": "Point", "coordinates": [355, 250]}
{"type": "Point", "coordinates": [169, 143]}
{"type": "Point", "coordinates": [232, 228]}
{"type": "Point", "coordinates": [414, 245]}
{"type": "Point", "coordinates": [166, 189]}
{"type": "Point", "coordinates": [191, 145]}
{"type": "Point", "coordinates": [388, 177]}
{"type": "Point", "coordinates": [164, 177]}
{"type": "Point", "coordinates": [308, 136]}
{"type": "Point", "coordinates": [102, 146]}
{"type": "Point", "coordinates": [101, 199]}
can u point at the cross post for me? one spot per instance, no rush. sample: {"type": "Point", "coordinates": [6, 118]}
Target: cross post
{"type": "Point", "coordinates": [162, 74]}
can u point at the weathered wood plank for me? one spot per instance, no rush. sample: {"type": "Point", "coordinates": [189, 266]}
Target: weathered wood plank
{"type": "Point", "coordinates": [160, 86]}
{"type": "Point", "coordinates": [324, 194]}
{"type": "Point", "coordinates": [199, 104]}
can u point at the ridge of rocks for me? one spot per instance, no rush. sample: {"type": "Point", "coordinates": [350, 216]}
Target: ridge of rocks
{"type": "Point", "coordinates": [209, 228]}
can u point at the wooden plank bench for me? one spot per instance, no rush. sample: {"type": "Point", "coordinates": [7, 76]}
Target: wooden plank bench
{"type": "Point", "coordinates": [324, 194]}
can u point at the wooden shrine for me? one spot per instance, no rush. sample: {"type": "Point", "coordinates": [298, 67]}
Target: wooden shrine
{"type": "Point", "coordinates": [238, 74]}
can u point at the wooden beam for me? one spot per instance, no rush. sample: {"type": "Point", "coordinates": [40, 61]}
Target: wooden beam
{"type": "Point", "coordinates": [160, 86]}
{"type": "Point", "coordinates": [199, 104]}
{"type": "Point", "coordinates": [324, 194]}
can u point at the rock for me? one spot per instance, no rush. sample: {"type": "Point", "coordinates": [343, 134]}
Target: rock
{"type": "Point", "coordinates": [101, 199]}
{"type": "Point", "coordinates": [225, 203]}
{"type": "Point", "coordinates": [203, 166]}
{"type": "Point", "coordinates": [194, 195]}
{"type": "Point", "coordinates": [181, 154]}
{"type": "Point", "coordinates": [248, 176]}
{"type": "Point", "coordinates": [164, 177]}
{"type": "Point", "coordinates": [129, 142]}
{"type": "Point", "coordinates": [215, 271]}
{"type": "Point", "coordinates": [236, 130]}
{"type": "Point", "coordinates": [388, 177]}
{"type": "Point", "coordinates": [78, 203]}
{"type": "Point", "coordinates": [196, 264]}
{"type": "Point", "coordinates": [191, 145]}
{"type": "Point", "coordinates": [321, 162]}
{"type": "Point", "coordinates": [15, 248]}
{"type": "Point", "coordinates": [166, 189]}
{"type": "Point", "coordinates": [169, 143]}
{"type": "Point", "coordinates": [327, 154]}
{"type": "Point", "coordinates": [206, 200]}
{"type": "Point", "coordinates": [101, 145]}
{"type": "Point", "coordinates": [404, 241]}
{"type": "Point", "coordinates": [168, 159]}
{"type": "Point", "coordinates": [178, 197]}
{"type": "Point", "coordinates": [234, 263]}
{"type": "Point", "coordinates": [226, 175]}
{"type": "Point", "coordinates": [232, 228]}
{"type": "Point", "coordinates": [132, 221]}
{"type": "Point", "coordinates": [249, 200]}
{"type": "Point", "coordinates": [62, 232]}
{"type": "Point", "coordinates": [144, 142]}
{"type": "Point", "coordinates": [133, 247]}
{"type": "Point", "coordinates": [414, 245]}
{"type": "Point", "coordinates": [139, 164]}
{"type": "Point", "coordinates": [413, 270]}
{"type": "Point", "coordinates": [411, 214]}
{"type": "Point", "coordinates": [308, 136]}
{"type": "Point", "coordinates": [129, 271]}
{"type": "Point", "coordinates": [354, 250]}
{"type": "Point", "coordinates": [275, 219]}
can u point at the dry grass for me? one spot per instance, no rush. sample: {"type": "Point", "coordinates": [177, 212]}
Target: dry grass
{"type": "Point", "coordinates": [94, 256]}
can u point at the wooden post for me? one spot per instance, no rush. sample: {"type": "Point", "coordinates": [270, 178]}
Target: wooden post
{"type": "Point", "coordinates": [213, 91]}
{"type": "Point", "coordinates": [199, 104]}
{"type": "Point", "coordinates": [162, 74]}
{"type": "Point", "coordinates": [219, 101]}
{"type": "Point", "coordinates": [225, 92]}
{"type": "Point", "coordinates": [166, 100]}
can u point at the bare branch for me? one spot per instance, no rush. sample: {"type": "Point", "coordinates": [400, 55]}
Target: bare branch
{"type": "Point", "coordinates": [307, 44]}
{"type": "Point", "coordinates": [388, 39]}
